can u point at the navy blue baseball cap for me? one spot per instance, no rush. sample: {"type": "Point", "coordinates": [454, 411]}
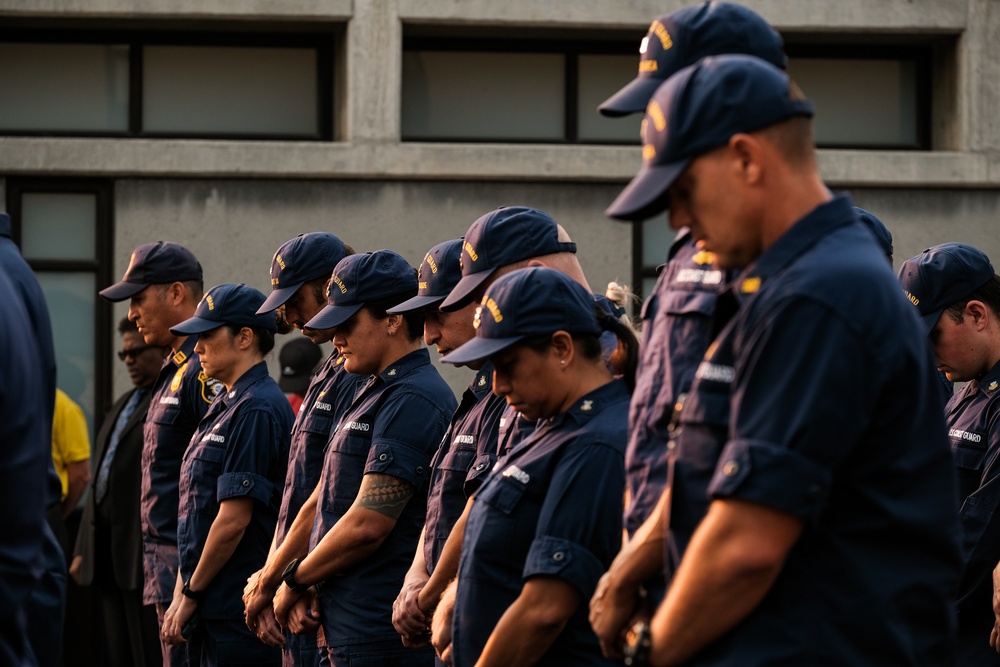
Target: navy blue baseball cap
{"type": "Point", "coordinates": [501, 237]}
{"type": "Point", "coordinates": [696, 111]}
{"type": "Point", "coordinates": [881, 232]}
{"type": "Point", "coordinates": [227, 304]}
{"type": "Point", "coordinates": [527, 302]}
{"type": "Point", "coordinates": [360, 279]}
{"type": "Point", "coordinates": [436, 277]}
{"type": "Point", "coordinates": [941, 276]}
{"type": "Point", "coordinates": [157, 263]}
{"type": "Point", "coordinates": [683, 37]}
{"type": "Point", "coordinates": [304, 258]}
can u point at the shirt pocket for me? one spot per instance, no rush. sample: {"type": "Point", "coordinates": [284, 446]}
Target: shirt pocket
{"type": "Point", "coordinates": [688, 302]}
{"type": "Point", "coordinates": [347, 456]}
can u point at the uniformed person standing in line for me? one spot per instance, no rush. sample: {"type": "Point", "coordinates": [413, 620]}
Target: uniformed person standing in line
{"type": "Point", "coordinates": [164, 284]}
{"type": "Point", "coordinates": [774, 492]}
{"type": "Point", "coordinates": [547, 521]}
{"type": "Point", "coordinates": [25, 454]}
{"type": "Point", "coordinates": [300, 271]}
{"type": "Point", "coordinates": [469, 448]}
{"type": "Point", "coordinates": [373, 491]}
{"type": "Point", "coordinates": [957, 294]}
{"type": "Point", "coordinates": [231, 479]}
{"type": "Point", "coordinates": [676, 317]}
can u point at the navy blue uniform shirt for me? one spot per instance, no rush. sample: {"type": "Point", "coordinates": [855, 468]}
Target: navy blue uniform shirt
{"type": "Point", "coordinates": [676, 324]}
{"type": "Point", "coordinates": [330, 392]}
{"type": "Point", "coordinates": [818, 400]}
{"type": "Point", "coordinates": [466, 456]}
{"type": "Point", "coordinates": [25, 448]}
{"type": "Point", "coordinates": [553, 508]}
{"type": "Point", "coordinates": [392, 428]}
{"type": "Point", "coordinates": [181, 396]}
{"type": "Point", "coordinates": [238, 451]}
{"type": "Point", "coordinates": [973, 420]}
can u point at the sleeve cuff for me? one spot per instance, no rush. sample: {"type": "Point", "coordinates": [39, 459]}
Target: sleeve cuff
{"type": "Point", "coordinates": [244, 484]}
{"type": "Point", "coordinates": [569, 561]}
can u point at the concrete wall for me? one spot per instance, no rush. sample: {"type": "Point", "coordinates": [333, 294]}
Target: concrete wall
{"type": "Point", "coordinates": [235, 226]}
{"type": "Point", "coordinates": [236, 201]}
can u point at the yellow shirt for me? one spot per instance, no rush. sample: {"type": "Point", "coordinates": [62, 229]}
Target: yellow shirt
{"type": "Point", "coordinates": [70, 442]}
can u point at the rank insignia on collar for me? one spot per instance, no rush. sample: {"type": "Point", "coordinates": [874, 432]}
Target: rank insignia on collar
{"type": "Point", "coordinates": [993, 386]}
{"type": "Point", "coordinates": [175, 384]}
{"type": "Point", "coordinates": [750, 285]}
{"type": "Point", "coordinates": [482, 380]}
{"type": "Point", "coordinates": [587, 406]}
{"type": "Point", "coordinates": [179, 357]}
{"type": "Point", "coordinates": [392, 373]}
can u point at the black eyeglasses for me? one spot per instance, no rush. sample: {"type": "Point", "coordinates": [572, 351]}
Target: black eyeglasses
{"type": "Point", "coordinates": [134, 352]}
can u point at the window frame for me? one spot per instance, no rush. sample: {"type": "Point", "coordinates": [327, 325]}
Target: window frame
{"type": "Point", "coordinates": [100, 266]}
{"type": "Point", "coordinates": [322, 43]}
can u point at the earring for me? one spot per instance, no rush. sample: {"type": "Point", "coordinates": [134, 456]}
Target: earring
{"type": "Point", "coordinates": [562, 362]}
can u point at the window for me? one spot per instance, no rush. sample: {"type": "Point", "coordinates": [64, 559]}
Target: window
{"type": "Point", "coordinates": [867, 97]}
{"type": "Point", "coordinates": [219, 85]}
{"type": "Point", "coordinates": [63, 230]}
{"type": "Point", "coordinates": [527, 90]}
{"type": "Point", "coordinates": [651, 241]}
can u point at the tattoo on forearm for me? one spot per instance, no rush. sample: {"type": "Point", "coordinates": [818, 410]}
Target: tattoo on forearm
{"type": "Point", "coordinates": [385, 494]}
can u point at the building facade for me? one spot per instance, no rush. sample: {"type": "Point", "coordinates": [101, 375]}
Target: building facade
{"type": "Point", "coordinates": [230, 127]}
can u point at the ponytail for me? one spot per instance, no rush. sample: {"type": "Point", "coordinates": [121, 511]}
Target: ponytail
{"type": "Point", "coordinates": [625, 359]}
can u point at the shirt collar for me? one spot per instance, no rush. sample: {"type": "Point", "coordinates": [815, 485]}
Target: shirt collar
{"type": "Point", "coordinates": [184, 352]}
{"type": "Point", "coordinates": [989, 384]}
{"type": "Point", "coordinates": [818, 223]}
{"type": "Point", "coordinates": [255, 373]}
{"type": "Point", "coordinates": [482, 384]}
{"type": "Point", "coordinates": [591, 404]}
{"type": "Point", "coordinates": [404, 365]}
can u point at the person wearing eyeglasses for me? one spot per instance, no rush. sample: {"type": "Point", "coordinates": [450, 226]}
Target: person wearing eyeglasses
{"type": "Point", "coordinates": [108, 553]}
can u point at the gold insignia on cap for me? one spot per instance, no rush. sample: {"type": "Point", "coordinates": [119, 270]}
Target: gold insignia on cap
{"type": "Point", "coordinates": [431, 263]}
{"type": "Point", "coordinates": [335, 279]}
{"type": "Point", "coordinates": [660, 31]}
{"type": "Point", "coordinates": [750, 285]}
{"type": "Point", "coordinates": [280, 261]}
{"type": "Point", "coordinates": [656, 113]}
{"type": "Point", "coordinates": [210, 302]}
{"type": "Point", "coordinates": [494, 309]}
{"type": "Point", "coordinates": [472, 251]}
{"type": "Point", "coordinates": [647, 66]}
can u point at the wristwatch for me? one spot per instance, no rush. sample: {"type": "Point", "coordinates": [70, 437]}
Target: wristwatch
{"type": "Point", "coordinates": [288, 576]}
{"type": "Point", "coordinates": [188, 593]}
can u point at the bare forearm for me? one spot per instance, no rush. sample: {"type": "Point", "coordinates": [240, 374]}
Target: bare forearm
{"type": "Point", "coordinates": [641, 558]}
{"type": "Point", "coordinates": [531, 624]}
{"type": "Point", "coordinates": [223, 537]}
{"type": "Point", "coordinates": [295, 544]}
{"type": "Point", "coordinates": [729, 567]}
{"type": "Point", "coordinates": [79, 475]}
{"type": "Point", "coordinates": [447, 567]}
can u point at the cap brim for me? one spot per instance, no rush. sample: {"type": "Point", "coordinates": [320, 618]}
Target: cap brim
{"type": "Point", "coordinates": [462, 294]}
{"type": "Point", "coordinates": [194, 325]}
{"type": "Point", "coordinates": [645, 195]}
{"type": "Point", "coordinates": [332, 316]}
{"type": "Point", "coordinates": [277, 298]}
{"type": "Point", "coordinates": [416, 303]}
{"type": "Point", "coordinates": [632, 98]}
{"type": "Point", "coordinates": [479, 348]}
{"type": "Point", "coordinates": [930, 320]}
{"type": "Point", "coordinates": [122, 290]}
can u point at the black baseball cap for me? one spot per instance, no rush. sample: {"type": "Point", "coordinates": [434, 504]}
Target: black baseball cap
{"type": "Point", "coordinates": [360, 279]}
{"type": "Point", "coordinates": [523, 303]}
{"type": "Point", "coordinates": [298, 359]}
{"type": "Point", "coordinates": [501, 237]}
{"type": "Point", "coordinates": [157, 263]}
{"type": "Point", "coordinates": [228, 303]}
{"type": "Point", "coordinates": [436, 277]}
{"type": "Point", "coordinates": [941, 276]}
{"type": "Point", "coordinates": [304, 258]}
{"type": "Point", "coordinates": [697, 110]}
{"type": "Point", "coordinates": [683, 37]}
